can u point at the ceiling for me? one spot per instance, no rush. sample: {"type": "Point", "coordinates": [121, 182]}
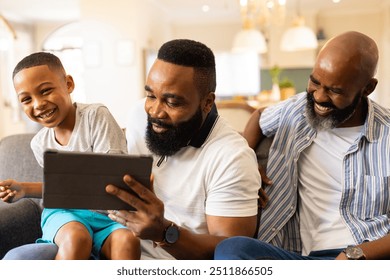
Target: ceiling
{"type": "Point", "coordinates": [177, 10]}
{"type": "Point", "coordinates": [228, 10]}
{"type": "Point", "coordinates": [40, 10]}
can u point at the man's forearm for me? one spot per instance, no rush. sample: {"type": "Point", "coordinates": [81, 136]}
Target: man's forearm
{"type": "Point", "coordinates": [192, 246]}
{"type": "Point", "coordinates": [378, 249]}
{"type": "Point", "coordinates": [252, 132]}
{"type": "Point", "coordinates": [201, 246]}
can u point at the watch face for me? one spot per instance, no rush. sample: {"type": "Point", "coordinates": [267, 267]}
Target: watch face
{"type": "Point", "coordinates": [172, 234]}
{"type": "Point", "coordinates": [354, 253]}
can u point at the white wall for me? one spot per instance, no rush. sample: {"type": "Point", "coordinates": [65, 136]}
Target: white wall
{"type": "Point", "coordinates": [218, 37]}
{"type": "Point", "coordinates": [127, 22]}
{"type": "Point", "coordinates": [12, 120]}
{"type": "Point", "coordinates": [384, 68]}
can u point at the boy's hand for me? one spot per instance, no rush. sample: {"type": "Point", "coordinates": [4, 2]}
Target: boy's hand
{"type": "Point", "coordinates": [10, 190]}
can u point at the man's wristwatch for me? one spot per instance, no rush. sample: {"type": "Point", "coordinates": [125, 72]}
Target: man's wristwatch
{"type": "Point", "coordinates": [354, 253]}
{"type": "Point", "coordinates": [171, 235]}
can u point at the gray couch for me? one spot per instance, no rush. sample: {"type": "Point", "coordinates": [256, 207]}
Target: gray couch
{"type": "Point", "coordinates": [20, 221]}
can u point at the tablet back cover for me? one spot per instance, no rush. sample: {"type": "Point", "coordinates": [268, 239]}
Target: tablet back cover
{"type": "Point", "coordinates": [78, 180]}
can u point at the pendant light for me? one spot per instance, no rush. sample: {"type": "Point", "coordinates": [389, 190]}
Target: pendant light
{"type": "Point", "coordinates": [298, 37]}
{"type": "Point", "coordinates": [249, 39]}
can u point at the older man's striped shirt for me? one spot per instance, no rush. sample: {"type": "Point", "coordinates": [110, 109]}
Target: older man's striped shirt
{"type": "Point", "coordinates": [365, 200]}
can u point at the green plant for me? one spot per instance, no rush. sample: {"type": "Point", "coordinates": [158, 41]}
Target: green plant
{"type": "Point", "coordinates": [275, 76]}
{"type": "Point", "coordinates": [286, 83]}
{"type": "Point", "coordinates": [275, 73]}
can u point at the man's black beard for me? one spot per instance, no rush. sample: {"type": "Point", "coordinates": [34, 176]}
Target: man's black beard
{"type": "Point", "coordinates": [176, 136]}
{"type": "Point", "coordinates": [336, 117]}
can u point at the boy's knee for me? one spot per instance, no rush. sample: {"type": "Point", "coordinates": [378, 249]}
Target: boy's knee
{"type": "Point", "coordinates": [125, 237]}
{"type": "Point", "coordinates": [74, 233]}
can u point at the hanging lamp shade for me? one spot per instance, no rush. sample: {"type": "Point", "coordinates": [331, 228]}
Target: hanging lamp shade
{"type": "Point", "coordinates": [249, 40]}
{"type": "Point", "coordinates": [298, 38]}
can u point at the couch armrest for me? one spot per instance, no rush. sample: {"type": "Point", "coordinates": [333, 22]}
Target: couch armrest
{"type": "Point", "coordinates": [19, 223]}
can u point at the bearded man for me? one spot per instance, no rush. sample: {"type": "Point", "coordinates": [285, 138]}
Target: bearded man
{"type": "Point", "coordinates": [329, 164]}
{"type": "Point", "coordinates": [206, 181]}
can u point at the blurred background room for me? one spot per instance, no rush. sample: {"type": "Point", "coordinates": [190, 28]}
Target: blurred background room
{"type": "Point", "coordinates": [264, 49]}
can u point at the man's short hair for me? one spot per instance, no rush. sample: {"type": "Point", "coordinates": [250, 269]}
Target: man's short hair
{"type": "Point", "coordinates": [37, 59]}
{"type": "Point", "coordinates": [194, 54]}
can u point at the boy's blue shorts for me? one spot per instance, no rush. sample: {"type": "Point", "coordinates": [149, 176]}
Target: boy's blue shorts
{"type": "Point", "coordinates": [100, 226]}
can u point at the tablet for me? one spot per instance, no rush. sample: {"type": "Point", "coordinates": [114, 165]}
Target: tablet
{"type": "Point", "coordinates": [79, 179]}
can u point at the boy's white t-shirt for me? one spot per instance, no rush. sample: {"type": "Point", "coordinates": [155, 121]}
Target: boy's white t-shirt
{"type": "Point", "coordinates": [95, 130]}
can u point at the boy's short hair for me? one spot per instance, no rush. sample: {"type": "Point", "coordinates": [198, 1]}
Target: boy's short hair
{"type": "Point", "coordinates": [37, 59]}
{"type": "Point", "coordinates": [194, 54]}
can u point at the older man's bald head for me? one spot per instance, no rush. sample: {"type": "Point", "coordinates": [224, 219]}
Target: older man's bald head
{"type": "Point", "coordinates": [350, 51]}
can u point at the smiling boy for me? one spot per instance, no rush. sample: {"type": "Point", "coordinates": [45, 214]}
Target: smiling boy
{"type": "Point", "coordinates": [43, 89]}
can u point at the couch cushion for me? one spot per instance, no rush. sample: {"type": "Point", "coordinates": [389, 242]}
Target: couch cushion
{"type": "Point", "coordinates": [17, 160]}
{"type": "Point", "coordinates": [19, 224]}
{"type": "Point", "coordinates": [19, 221]}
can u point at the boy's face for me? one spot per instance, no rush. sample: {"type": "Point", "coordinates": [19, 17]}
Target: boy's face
{"type": "Point", "coordinates": [45, 95]}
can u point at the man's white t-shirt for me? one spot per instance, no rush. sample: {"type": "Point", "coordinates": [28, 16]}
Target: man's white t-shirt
{"type": "Point", "coordinates": [320, 189]}
{"type": "Point", "coordinates": [219, 178]}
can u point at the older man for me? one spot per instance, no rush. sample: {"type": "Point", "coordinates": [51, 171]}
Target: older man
{"type": "Point", "coordinates": [329, 164]}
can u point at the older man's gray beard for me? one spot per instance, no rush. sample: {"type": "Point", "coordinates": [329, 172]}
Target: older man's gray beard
{"type": "Point", "coordinates": [335, 119]}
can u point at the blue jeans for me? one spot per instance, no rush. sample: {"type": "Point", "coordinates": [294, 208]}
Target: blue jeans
{"type": "Point", "coordinates": [245, 248]}
{"type": "Point", "coordinates": [34, 251]}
